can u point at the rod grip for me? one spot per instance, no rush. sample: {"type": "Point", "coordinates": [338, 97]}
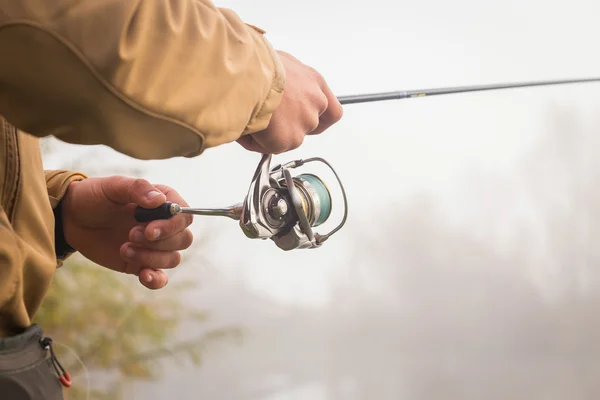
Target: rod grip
{"type": "Point", "coordinates": [152, 214]}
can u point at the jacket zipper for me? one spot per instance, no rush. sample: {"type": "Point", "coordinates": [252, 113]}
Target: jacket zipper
{"type": "Point", "coordinates": [12, 171]}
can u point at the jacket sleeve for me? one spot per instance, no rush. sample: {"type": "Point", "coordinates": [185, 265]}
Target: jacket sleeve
{"type": "Point", "coordinates": [152, 79]}
{"type": "Point", "coordinates": [57, 183]}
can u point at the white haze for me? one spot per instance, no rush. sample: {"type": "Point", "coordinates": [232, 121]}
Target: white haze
{"type": "Point", "coordinates": [468, 268]}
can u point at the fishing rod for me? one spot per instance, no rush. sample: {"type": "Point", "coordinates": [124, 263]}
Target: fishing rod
{"type": "Point", "coordinates": [409, 94]}
{"type": "Point", "coordinates": [286, 208]}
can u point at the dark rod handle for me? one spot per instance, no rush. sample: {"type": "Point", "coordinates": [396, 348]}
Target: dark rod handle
{"type": "Point", "coordinates": [153, 214]}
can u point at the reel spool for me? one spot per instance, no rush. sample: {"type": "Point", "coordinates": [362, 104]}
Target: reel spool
{"type": "Point", "coordinates": [278, 206]}
{"type": "Point", "coordinates": [315, 198]}
{"type": "Point", "coordinates": [291, 206]}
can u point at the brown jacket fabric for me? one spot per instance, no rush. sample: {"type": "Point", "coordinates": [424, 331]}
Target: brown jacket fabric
{"type": "Point", "coordinates": [152, 79]}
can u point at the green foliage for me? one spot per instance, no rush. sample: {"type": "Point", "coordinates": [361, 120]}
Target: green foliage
{"type": "Point", "coordinates": [118, 328]}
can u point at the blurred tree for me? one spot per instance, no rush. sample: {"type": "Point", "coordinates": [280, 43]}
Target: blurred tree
{"type": "Point", "coordinates": [119, 330]}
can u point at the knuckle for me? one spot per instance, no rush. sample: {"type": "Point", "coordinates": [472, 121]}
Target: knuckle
{"type": "Point", "coordinates": [175, 259]}
{"type": "Point", "coordinates": [279, 147]}
{"type": "Point", "coordinates": [320, 80]}
{"type": "Point", "coordinates": [161, 282]}
{"type": "Point", "coordinates": [162, 188]}
{"type": "Point", "coordinates": [322, 103]}
{"type": "Point", "coordinates": [151, 259]}
{"type": "Point", "coordinates": [315, 74]}
{"type": "Point", "coordinates": [159, 231]}
{"type": "Point", "coordinates": [312, 123]}
{"type": "Point", "coordinates": [188, 239]}
{"type": "Point", "coordinates": [164, 281]}
{"type": "Point", "coordinates": [337, 113]}
{"type": "Point", "coordinates": [158, 259]}
{"type": "Point", "coordinates": [297, 141]}
{"type": "Point", "coordinates": [138, 185]}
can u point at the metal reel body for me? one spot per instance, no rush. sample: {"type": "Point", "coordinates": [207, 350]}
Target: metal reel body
{"type": "Point", "coordinates": [277, 207]}
{"type": "Point", "coordinates": [285, 208]}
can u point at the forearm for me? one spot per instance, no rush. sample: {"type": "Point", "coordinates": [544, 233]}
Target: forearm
{"type": "Point", "coordinates": [151, 79]}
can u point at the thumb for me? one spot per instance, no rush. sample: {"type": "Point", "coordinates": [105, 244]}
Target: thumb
{"type": "Point", "coordinates": [123, 190]}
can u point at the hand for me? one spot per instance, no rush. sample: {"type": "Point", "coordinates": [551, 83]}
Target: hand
{"type": "Point", "coordinates": [98, 221]}
{"type": "Point", "coordinates": [308, 107]}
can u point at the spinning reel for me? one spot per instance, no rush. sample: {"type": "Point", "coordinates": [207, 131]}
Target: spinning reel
{"type": "Point", "coordinates": [278, 206]}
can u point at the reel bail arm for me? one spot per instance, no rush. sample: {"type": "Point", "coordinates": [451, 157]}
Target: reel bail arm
{"type": "Point", "coordinates": [315, 238]}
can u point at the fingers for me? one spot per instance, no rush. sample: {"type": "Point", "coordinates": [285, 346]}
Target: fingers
{"type": "Point", "coordinates": [279, 138]}
{"type": "Point", "coordinates": [155, 246]}
{"type": "Point", "coordinates": [153, 279]}
{"type": "Point", "coordinates": [138, 258]}
{"type": "Point", "coordinates": [123, 190]}
{"type": "Point", "coordinates": [164, 228]}
{"type": "Point", "coordinates": [178, 241]}
{"type": "Point", "coordinates": [332, 114]}
{"type": "Point", "coordinates": [167, 228]}
{"type": "Point", "coordinates": [312, 110]}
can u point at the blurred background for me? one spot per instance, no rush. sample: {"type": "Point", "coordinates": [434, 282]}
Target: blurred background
{"type": "Point", "coordinates": [469, 265]}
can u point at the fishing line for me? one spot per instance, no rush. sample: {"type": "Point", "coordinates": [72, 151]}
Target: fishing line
{"type": "Point", "coordinates": [85, 370]}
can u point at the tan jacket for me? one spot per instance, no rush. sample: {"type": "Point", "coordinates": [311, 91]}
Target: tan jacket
{"type": "Point", "coordinates": [152, 79]}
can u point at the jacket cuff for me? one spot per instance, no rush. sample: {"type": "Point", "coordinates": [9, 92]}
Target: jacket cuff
{"type": "Point", "coordinates": [261, 120]}
{"type": "Point", "coordinates": [57, 184]}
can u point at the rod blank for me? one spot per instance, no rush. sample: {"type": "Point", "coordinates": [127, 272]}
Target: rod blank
{"type": "Point", "coordinates": [407, 94]}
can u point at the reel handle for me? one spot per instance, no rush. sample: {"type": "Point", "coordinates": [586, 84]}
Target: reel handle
{"type": "Point", "coordinates": [165, 211]}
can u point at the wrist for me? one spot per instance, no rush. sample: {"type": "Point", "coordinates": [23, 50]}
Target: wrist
{"type": "Point", "coordinates": [63, 246]}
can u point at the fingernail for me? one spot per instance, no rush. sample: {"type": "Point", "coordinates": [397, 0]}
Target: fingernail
{"type": "Point", "coordinates": [129, 253]}
{"type": "Point", "coordinates": [138, 236]}
{"type": "Point", "coordinates": [151, 195]}
{"type": "Point", "coordinates": [156, 233]}
{"type": "Point", "coordinates": [148, 278]}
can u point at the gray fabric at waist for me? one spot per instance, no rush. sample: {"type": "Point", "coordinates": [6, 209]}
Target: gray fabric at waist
{"type": "Point", "coordinates": [22, 350]}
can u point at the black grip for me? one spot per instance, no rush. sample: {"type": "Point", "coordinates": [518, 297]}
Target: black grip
{"type": "Point", "coordinates": [152, 214]}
